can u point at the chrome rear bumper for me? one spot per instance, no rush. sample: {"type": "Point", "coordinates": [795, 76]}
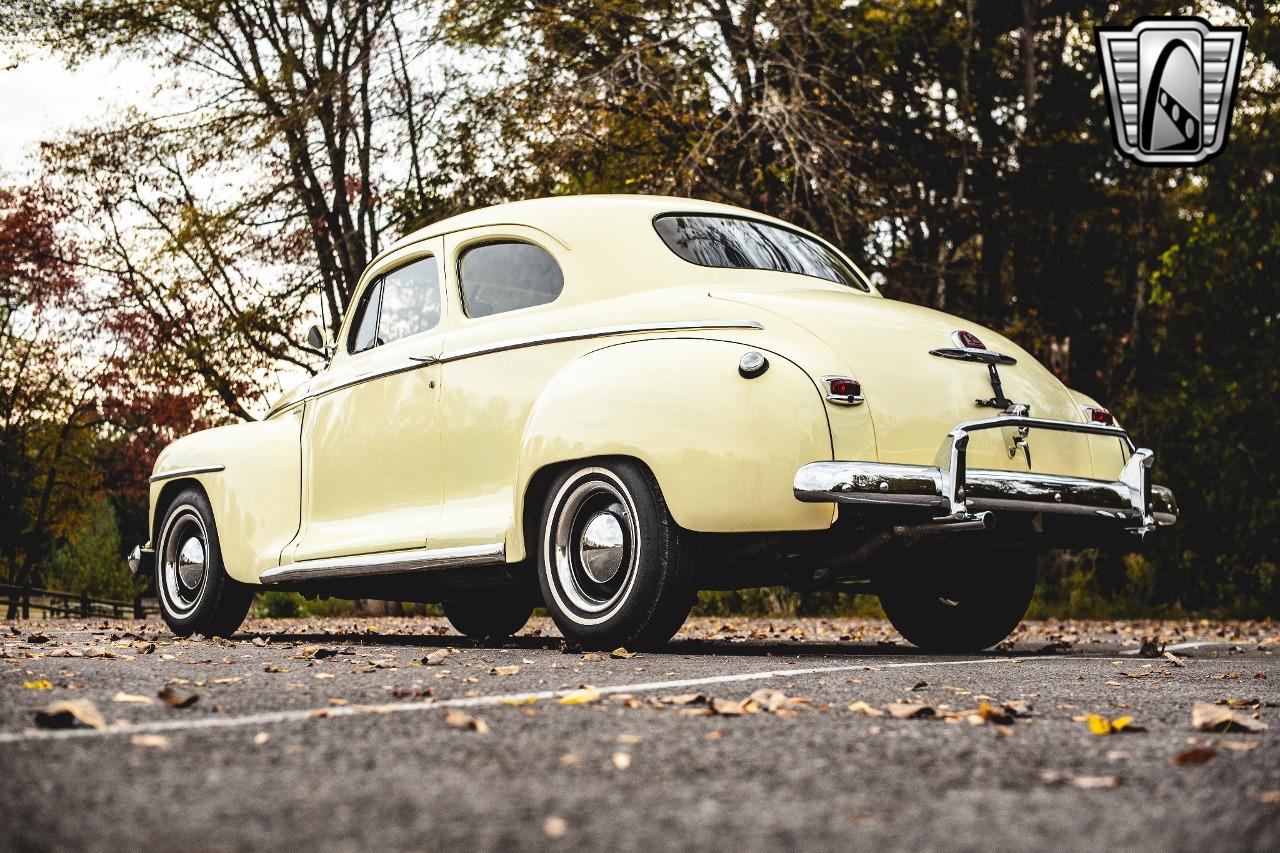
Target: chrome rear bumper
{"type": "Point", "coordinates": [951, 489]}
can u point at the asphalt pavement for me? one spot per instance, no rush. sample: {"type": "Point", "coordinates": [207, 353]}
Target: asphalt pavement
{"type": "Point", "coordinates": [396, 734]}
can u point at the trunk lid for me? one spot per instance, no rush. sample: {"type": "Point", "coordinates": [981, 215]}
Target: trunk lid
{"type": "Point", "coordinates": [916, 398]}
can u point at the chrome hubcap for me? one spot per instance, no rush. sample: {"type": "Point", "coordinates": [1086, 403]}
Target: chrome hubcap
{"type": "Point", "coordinates": [191, 563]}
{"type": "Point", "coordinates": [593, 547]}
{"type": "Point", "coordinates": [601, 547]}
{"type": "Point", "coordinates": [184, 561]}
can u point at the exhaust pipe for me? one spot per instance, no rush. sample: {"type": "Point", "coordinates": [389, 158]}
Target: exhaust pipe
{"type": "Point", "coordinates": [945, 526]}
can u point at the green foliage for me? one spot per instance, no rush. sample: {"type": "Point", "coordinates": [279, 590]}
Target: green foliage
{"type": "Point", "coordinates": [90, 560]}
{"type": "Point", "coordinates": [290, 605]}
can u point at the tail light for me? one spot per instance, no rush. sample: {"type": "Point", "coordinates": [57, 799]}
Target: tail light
{"type": "Point", "coordinates": [1099, 415]}
{"type": "Point", "coordinates": [843, 390]}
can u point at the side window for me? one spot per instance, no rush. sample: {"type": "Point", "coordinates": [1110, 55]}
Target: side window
{"type": "Point", "coordinates": [506, 276]}
{"type": "Point", "coordinates": [401, 303]}
{"type": "Point", "coordinates": [364, 328]}
{"type": "Point", "coordinates": [410, 301]}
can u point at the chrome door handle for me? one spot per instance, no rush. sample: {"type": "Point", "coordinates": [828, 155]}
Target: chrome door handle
{"type": "Point", "coordinates": [424, 359]}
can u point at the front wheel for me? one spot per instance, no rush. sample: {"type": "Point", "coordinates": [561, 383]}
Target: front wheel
{"type": "Point", "coordinates": [959, 600]}
{"type": "Point", "coordinates": [196, 594]}
{"type": "Point", "coordinates": [614, 567]}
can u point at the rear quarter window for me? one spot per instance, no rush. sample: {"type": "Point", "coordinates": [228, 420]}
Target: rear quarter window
{"type": "Point", "coordinates": [506, 276]}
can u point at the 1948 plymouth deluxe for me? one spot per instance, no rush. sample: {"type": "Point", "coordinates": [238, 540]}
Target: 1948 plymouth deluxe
{"type": "Point", "coordinates": [603, 404]}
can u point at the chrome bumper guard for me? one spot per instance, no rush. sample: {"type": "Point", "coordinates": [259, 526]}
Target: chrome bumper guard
{"type": "Point", "coordinates": [950, 488]}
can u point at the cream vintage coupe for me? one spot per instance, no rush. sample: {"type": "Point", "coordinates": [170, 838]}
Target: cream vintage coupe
{"type": "Point", "coordinates": [603, 404]}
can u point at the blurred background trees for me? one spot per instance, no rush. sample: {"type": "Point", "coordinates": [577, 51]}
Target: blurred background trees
{"type": "Point", "coordinates": [959, 150]}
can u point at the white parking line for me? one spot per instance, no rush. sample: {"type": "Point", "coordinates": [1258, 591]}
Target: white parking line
{"type": "Point", "coordinates": [272, 717]}
{"type": "Point", "coordinates": [1177, 647]}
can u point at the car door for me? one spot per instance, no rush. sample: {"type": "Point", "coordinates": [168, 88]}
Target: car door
{"type": "Point", "coordinates": [370, 436]}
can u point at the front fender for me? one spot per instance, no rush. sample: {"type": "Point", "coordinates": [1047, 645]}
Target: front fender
{"type": "Point", "coordinates": [724, 449]}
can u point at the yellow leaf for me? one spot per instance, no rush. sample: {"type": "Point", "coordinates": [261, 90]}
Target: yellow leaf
{"type": "Point", "coordinates": [1099, 725]}
{"type": "Point", "coordinates": [580, 697]}
{"type": "Point", "coordinates": [1119, 723]}
{"type": "Point", "coordinates": [520, 700]}
{"type": "Point", "coordinates": [38, 684]}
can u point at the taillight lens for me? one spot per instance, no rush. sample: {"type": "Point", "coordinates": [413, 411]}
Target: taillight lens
{"type": "Point", "coordinates": [1099, 415]}
{"type": "Point", "coordinates": [845, 387]}
{"type": "Point", "coordinates": [843, 390]}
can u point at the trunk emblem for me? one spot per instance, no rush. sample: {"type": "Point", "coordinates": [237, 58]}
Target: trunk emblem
{"type": "Point", "coordinates": [969, 347]}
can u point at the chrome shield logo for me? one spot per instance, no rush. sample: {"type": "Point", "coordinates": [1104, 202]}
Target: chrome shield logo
{"type": "Point", "coordinates": [1170, 85]}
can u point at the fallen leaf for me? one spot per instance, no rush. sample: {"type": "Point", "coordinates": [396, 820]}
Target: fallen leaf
{"type": "Point", "coordinates": [991, 714]}
{"type": "Point", "coordinates": [38, 684]}
{"type": "Point", "coordinates": [156, 741]}
{"type": "Point", "coordinates": [555, 827]}
{"type": "Point", "coordinates": [504, 670]}
{"type": "Point", "coordinates": [861, 707]}
{"type": "Point", "coordinates": [460, 720]}
{"type": "Point", "coordinates": [520, 700]}
{"type": "Point", "coordinates": [1217, 718]}
{"type": "Point", "coordinates": [71, 714]}
{"type": "Point", "coordinates": [590, 656]}
{"type": "Point", "coordinates": [569, 759]}
{"type": "Point", "coordinates": [621, 760]}
{"type": "Point", "coordinates": [1269, 797]}
{"type": "Point", "coordinates": [323, 676]}
{"type": "Point", "coordinates": [261, 737]}
{"type": "Point", "coordinates": [1174, 659]}
{"type": "Point", "coordinates": [630, 740]}
{"type": "Point", "coordinates": [1053, 777]}
{"type": "Point", "coordinates": [1238, 745]}
{"type": "Point", "coordinates": [315, 653]}
{"type": "Point", "coordinates": [727, 707]}
{"type": "Point", "coordinates": [1100, 725]}
{"type": "Point", "coordinates": [622, 653]}
{"type": "Point", "coordinates": [910, 710]}
{"type": "Point", "coordinates": [175, 698]}
{"type": "Point", "coordinates": [275, 667]}
{"type": "Point", "coordinates": [234, 679]}
{"type": "Point", "coordinates": [580, 697]}
{"type": "Point", "coordinates": [436, 658]}
{"type": "Point", "coordinates": [1195, 755]}
{"type": "Point", "coordinates": [103, 652]}
{"type": "Point", "coordinates": [132, 698]}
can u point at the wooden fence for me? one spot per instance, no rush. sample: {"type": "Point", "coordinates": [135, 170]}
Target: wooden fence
{"type": "Point", "coordinates": [55, 603]}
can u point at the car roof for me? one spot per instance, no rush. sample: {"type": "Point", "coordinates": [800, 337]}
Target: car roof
{"type": "Point", "coordinates": [573, 218]}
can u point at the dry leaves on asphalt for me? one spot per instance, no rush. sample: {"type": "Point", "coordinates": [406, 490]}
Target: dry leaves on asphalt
{"type": "Point", "coordinates": [861, 707]}
{"type": "Point", "coordinates": [131, 698]}
{"type": "Point", "coordinates": [76, 713]}
{"type": "Point", "coordinates": [38, 684]}
{"type": "Point", "coordinates": [175, 698]}
{"type": "Point", "coordinates": [154, 741]}
{"type": "Point", "coordinates": [436, 658]}
{"type": "Point", "coordinates": [461, 720]}
{"type": "Point", "coordinates": [275, 667]}
{"type": "Point", "coordinates": [1195, 755]}
{"type": "Point", "coordinates": [505, 670]}
{"type": "Point", "coordinates": [762, 701]}
{"type": "Point", "coordinates": [315, 652]}
{"type": "Point", "coordinates": [555, 827]}
{"type": "Point", "coordinates": [622, 654]}
{"type": "Point", "coordinates": [1217, 718]}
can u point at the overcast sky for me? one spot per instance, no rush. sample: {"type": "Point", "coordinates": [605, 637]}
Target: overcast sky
{"type": "Point", "coordinates": [40, 98]}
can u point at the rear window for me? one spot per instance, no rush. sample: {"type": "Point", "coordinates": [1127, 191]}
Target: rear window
{"type": "Point", "coordinates": [732, 242]}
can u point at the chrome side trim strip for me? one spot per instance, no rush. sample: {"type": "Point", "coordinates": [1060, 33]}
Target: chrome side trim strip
{"type": "Point", "coordinates": [183, 472]}
{"type": "Point", "coordinates": [387, 562]}
{"type": "Point", "coordinates": [597, 332]}
{"type": "Point", "coordinates": [417, 361]}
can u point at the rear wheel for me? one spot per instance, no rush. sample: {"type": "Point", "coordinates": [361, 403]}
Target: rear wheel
{"type": "Point", "coordinates": [960, 600]}
{"type": "Point", "coordinates": [489, 618]}
{"type": "Point", "coordinates": [614, 567]}
{"type": "Point", "coordinates": [196, 594]}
